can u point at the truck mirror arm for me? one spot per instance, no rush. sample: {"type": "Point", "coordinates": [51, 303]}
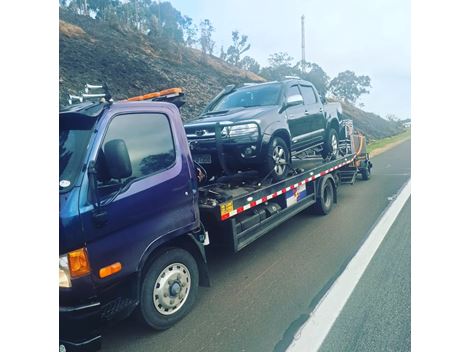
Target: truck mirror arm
{"type": "Point", "coordinates": [99, 215]}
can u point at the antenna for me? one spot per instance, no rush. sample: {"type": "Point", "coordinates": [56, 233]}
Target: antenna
{"type": "Point", "coordinates": [303, 44]}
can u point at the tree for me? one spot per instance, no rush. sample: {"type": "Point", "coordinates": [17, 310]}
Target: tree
{"type": "Point", "coordinates": [280, 65]}
{"type": "Point", "coordinates": [249, 64]}
{"type": "Point", "coordinates": [315, 74]}
{"type": "Point", "coordinates": [349, 87]}
{"type": "Point", "coordinates": [281, 59]}
{"type": "Point", "coordinates": [223, 54]}
{"type": "Point", "coordinates": [205, 39]}
{"type": "Point", "coordinates": [239, 46]}
{"type": "Point", "coordinates": [190, 31]}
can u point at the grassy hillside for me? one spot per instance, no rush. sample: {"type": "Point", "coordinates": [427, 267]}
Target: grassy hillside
{"type": "Point", "coordinates": [131, 63]}
{"type": "Point", "coordinates": [372, 125]}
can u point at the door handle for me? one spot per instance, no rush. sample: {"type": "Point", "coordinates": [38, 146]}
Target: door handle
{"type": "Point", "coordinates": [306, 113]}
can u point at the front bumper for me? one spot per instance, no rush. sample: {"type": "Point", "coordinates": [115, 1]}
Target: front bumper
{"type": "Point", "coordinates": [79, 328]}
{"type": "Point", "coordinates": [234, 152]}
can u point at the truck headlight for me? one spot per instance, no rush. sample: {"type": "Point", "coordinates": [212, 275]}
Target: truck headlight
{"type": "Point", "coordinates": [249, 129]}
{"type": "Point", "coordinates": [64, 272]}
{"type": "Point", "coordinates": [72, 265]}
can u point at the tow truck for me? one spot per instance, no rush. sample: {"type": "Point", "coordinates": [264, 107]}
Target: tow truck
{"type": "Point", "coordinates": [136, 212]}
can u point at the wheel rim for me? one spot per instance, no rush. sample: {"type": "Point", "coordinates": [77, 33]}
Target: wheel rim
{"type": "Point", "coordinates": [334, 144]}
{"type": "Point", "coordinates": [280, 160]}
{"type": "Point", "coordinates": [171, 288]}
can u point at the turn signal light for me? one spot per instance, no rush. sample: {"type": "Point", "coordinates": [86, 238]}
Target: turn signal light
{"type": "Point", "coordinates": [110, 269]}
{"type": "Point", "coordinates": [78, 263]}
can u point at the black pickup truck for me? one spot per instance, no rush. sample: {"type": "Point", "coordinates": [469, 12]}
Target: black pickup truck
{"type": "Point", "coordinates": [263, 125]}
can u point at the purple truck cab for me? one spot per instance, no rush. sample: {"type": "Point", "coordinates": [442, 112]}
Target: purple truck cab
{"type": "Point", "coordinates": [130, 234]}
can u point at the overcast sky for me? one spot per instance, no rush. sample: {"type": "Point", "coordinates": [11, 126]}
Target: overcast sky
{"type": "Point", "coordinates": [369, 37]}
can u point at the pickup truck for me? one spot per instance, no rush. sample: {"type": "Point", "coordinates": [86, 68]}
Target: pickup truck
{"type": "Point", "coordinates": [264, 124]}
{"type": "Point", "coordinates": [134, 220]}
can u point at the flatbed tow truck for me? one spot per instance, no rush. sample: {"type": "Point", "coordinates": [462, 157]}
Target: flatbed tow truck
{"type": "Point", "coordinates": [114, 260]}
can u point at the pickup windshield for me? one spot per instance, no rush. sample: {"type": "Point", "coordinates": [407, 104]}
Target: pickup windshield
{"type": "Point", "coordinates": [74, 135]}
{"type": "Point", "coordinates": [246, 97]}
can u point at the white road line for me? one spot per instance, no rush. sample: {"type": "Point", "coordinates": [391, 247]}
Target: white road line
{"type": "Point", "coordinates": [311, 335]}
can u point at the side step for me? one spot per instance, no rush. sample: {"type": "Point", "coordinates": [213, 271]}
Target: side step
{"type": "Point", "coordinates": [347, 176]}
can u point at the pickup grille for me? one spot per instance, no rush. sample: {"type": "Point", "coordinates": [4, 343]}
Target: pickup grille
{"type": "Point", "coordinates": [200, 132]}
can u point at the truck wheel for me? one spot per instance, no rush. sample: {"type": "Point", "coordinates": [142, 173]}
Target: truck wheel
{"type": "Point", "coordinates": [169, 289]}
{"type": "Point", "coordinates": [277, 159]}
{"type": "Point", "coordinates": [325, 201]}
{"type": "Point", "coordinates": [331, 146]}
{"type": "Point", "coordinates": [365, 173]}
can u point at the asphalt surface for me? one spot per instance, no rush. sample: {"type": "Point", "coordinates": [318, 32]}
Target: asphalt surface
{"type": "Point", "coordinates": [377, 316]}
{"type": "Point", "coordinates": [261, 295]}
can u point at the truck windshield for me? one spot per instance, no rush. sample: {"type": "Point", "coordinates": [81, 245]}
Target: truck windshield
{"type": "Point", "coordinates": [74, 135]}
{"type": "Point", "coordinates": [258, 95]}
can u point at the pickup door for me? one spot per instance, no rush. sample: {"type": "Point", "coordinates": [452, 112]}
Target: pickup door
{"type": "Point", "coordinates": [156, 200]}
{"type": "Point", "coordinates": [315, 113]}
{"type": "Point", "coordinates": [298, 120]}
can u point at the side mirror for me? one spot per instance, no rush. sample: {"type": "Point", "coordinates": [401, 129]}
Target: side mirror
{"type": "Point", "coordinates": [292, 101]}
{"type": "Point", "coordinates": [117, 159]}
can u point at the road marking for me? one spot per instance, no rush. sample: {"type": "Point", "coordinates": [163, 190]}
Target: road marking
{"type": "Point", "coordinates": [311, 335]}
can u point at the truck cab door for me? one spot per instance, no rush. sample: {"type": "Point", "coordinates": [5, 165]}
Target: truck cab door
{"type": "Point", "coordinates": [154, 201]}
{"type": "Point", "coordinates": [315, 113]}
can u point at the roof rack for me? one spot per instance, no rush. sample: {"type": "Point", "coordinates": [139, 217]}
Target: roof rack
{"type": "Point", "coordinates": [105, 95]}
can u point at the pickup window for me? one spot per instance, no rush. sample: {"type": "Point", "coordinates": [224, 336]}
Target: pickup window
{"type": "Point", "coordinates": [149, 142]}
{"type": "Point", "coordinates": [293, 90]}
{"type": "Point", "coordinates": [262, 95]}
{"type": "Point", "coordinates": [308, 94]}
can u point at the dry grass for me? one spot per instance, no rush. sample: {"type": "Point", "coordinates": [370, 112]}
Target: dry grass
{"type": "Point", "coordinates": [381, 145]}
{"type": "Point", "coordinates": [71, 30]}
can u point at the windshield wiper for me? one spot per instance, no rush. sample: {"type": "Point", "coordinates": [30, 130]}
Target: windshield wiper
{"type": "Point", "coordinates": [216, 112]}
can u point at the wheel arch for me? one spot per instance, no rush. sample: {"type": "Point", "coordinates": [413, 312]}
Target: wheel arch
{"type": "Point", "coordinates": [186, 242]}
{"type": "Point", "coordinates": [284, 134]}
{"type": "Point", "coordinates": [333, 123]}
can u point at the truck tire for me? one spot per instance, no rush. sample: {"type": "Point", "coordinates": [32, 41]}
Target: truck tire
{"type": "Point", "coordinates": [277, 159]}
{"type": "Point", "coordinates": [365, 173]}
{"type": "Point", "coordinates": [325, 198]}
{"type": "Point", "coordinates": [331, 147]}
{"type": "Point", "coordinates": [169, 289]}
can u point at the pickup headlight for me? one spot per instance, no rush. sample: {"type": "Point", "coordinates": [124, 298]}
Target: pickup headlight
{"type": "Point", "coordinates": [64, 272]}
{"type": "Point", "coordinates": [249, 129]}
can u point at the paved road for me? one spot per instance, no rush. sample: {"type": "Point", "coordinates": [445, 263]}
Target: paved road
{"type": "Point", "coordinates": [261, 295]}
{"type": "Point", "coordinates": [377, 316]}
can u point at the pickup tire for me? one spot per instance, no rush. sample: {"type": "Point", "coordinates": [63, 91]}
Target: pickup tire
{"type": "Point", "coordinates": [331, 147]}
{"type": "Point", "coordinates": [277, 159]}
{"type": "Point", "coordinates": [169, 289]}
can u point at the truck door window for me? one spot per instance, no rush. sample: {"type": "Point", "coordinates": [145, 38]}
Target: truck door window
{"type": "Point", "coordinates": [308, 94]}
{"type": "Point", "coordinates": [149, 142]}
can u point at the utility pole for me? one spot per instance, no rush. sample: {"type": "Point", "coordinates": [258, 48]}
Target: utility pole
{"type": "Point", "coordinates": [303, 44]}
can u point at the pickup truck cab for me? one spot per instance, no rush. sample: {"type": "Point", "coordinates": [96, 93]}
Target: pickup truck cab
{"type": "Point", "coordinates": [130, 232]}
{"type": "Point", "coordinates": [263, 125]}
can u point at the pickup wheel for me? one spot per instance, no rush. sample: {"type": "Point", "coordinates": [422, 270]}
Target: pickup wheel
{"type": "Point", "coordinates": [169, 289]}
{"type": "Point", "coordinates": [277, 159]}
{"type": "Point", "coordinates": [331, 147]}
